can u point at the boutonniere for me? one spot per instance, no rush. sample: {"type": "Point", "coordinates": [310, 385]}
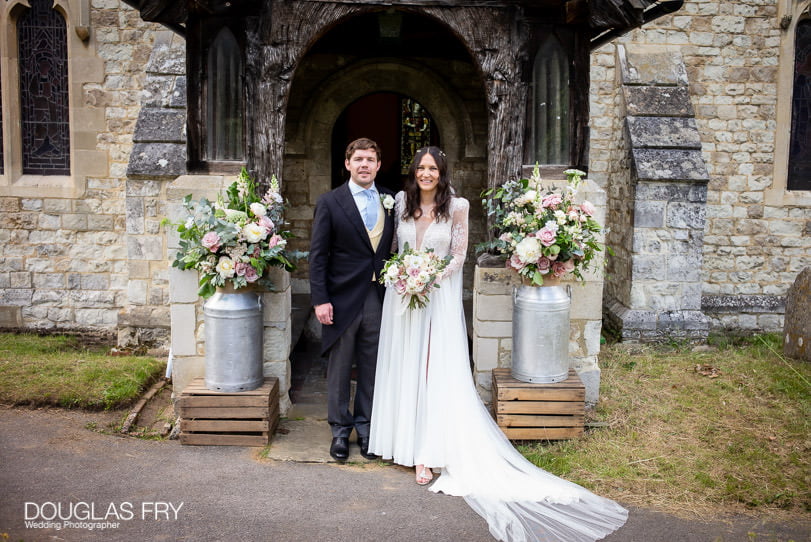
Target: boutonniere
{"type": "Point", "coordinates": [388, 202]}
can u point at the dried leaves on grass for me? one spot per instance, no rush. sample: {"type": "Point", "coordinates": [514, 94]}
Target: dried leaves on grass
{"type": "Point", "coordinates": [694, 431]}
{"type": "Point", "coordinates": [60, 371]}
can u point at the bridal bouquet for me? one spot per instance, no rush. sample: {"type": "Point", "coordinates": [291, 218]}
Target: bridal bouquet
{"type": "Point", "coordinates": [236, 238]}
{"type": "Point", "coordinates": [414, 274]}
{"type": "Point", "coordinates": [543, 233]}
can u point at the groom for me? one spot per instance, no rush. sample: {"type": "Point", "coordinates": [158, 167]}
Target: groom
{"type": "Point", "coordinates": [351, 237]}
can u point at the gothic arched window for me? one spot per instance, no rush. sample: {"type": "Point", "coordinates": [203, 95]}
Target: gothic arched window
{"type": "Point", "coordinates": [224, 127]}
{"type": "Point", "coordinates": [550, 104]}
{"type": "Point", "coordinates": [799, 165]}
{"type": "Point", "coordinates": [44, 111]}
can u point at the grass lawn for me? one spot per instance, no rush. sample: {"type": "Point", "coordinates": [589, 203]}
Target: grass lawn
{"type": "Point", "coordinates": [691, 429]}
{"type": "Point", "coordinates": [59, 371]}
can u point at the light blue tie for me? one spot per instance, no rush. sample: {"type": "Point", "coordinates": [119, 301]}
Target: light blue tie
{"type": "Point", "coordinates": [371, 208]}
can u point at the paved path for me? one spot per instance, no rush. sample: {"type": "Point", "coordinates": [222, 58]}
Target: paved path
{"type": "Point", "coordinates": [231, 493]}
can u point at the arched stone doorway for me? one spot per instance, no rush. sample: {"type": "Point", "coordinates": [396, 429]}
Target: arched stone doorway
{"type": "Point", "coordinates": [328, 83]}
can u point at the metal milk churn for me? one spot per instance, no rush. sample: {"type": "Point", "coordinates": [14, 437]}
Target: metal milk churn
{"type": "Point", "coordinates": [540, 334]}
{"type": "Point", "coordinates": [233, 330]}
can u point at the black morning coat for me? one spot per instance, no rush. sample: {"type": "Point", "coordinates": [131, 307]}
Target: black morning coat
{"type": "Point", "coordinates": [342, 259]}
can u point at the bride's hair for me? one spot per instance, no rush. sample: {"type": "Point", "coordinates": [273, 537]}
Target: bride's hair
{"type": "Point", "coordinates": [444, 191]}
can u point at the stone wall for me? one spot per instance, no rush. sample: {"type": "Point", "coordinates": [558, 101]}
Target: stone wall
{"type": "Point", "coordinates": [756, 237]}
{"type": "Point", "coordinates": [63, 240]}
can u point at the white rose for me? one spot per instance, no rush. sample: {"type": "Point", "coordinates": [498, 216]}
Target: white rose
{"type": "Point", "coordinates": [253, 232]}
{"type": "Point", "coordinates": [388, 201]}
{"type": "Point", "coordinates": [225, 267]}
{"type": "Point", "coordinates": [528, 250]}
{"type": "Point", "coordinates": [258, 209]}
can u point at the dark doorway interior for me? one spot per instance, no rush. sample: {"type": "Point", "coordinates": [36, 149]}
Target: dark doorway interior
{"type": "Point", "coordinates": [397, 123]}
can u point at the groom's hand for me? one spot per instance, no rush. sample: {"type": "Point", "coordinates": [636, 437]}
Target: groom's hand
{"type": "Point", "coordinates": [324, 313]}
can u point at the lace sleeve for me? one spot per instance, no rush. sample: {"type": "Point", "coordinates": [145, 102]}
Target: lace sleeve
{"type": "Point", "coordinates": [458, 249]}
{"type": "Point", "coordinates": [399, 203]}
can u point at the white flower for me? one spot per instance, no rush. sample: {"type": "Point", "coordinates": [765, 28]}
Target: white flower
{"type": "Point", "coordinates": [560, 216]}
{"type": "Point", "coordinates": [388, 201]}
{"type": "Point", "coordinates": [529, 249]}
{"type": "Point", "coordinates": [225, 267]}
{"type": "Point", "coordinates": [258, 209]}
{"type": "Point", "coordinates": [253, 232]}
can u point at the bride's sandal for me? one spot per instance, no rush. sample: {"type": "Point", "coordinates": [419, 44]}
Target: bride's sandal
{"type": "Point", "coordinates": [424, 476]}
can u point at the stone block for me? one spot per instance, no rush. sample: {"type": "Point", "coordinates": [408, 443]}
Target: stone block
{"type": "Point", "coordinates": [276, 306]}
{"type": "Point", "coordinates": [76, 222]}
{"type": "Point", "coordinates": [184, 370]}
{"type": "Point", "coordinates": [279, 278]}
{"type": "Point", "coordinates": [178, 94]}
{"type": "Point", "coordinates": [10, 316]}
{"type": "Point", "coordinates": [797, 319]}
{"type": "Point", "coordinates": [649, 214]}
{"type": "Point", "coordinates": [591, 380]}
{"type": "Point", "coordinates": [135, 215]}
{"type": "Point", "coordinates": [651, 64]}
{"type": "Point", "coordinates": [157, 159]}
{"type": "Point", "coordinates": [495, 280]}
{"type": "Point", "coordinates": [49, 280]}
{"type": "Point", "coordinates": [276, 343]}
{"type": "Point", "coordinates": [667, 132]}
{"type": "Point", "coordinates": [485, 353]}
{"type": "Point", "coordinates": [145, 247]}
{"type": "Point", "coordinates": [669, 164]}
{"type": "Point", "coordinates": [19, 279]}
{"type": "Point", "coordinates": [658, 101]}
{"type": "Point", "coordinates": [94, 282]}
{"type": "Point", "coordinates": [97, 317]}
{"type": "Point", "coordinates": [141, 188]}
{"type": "Point", "coordinates": [183, 322]}
{"type": "Point", "coordinates": [587, 298]}
{"type": "Point", "coordinates": [492, 329]}
{"type": "Point", "coordinates": [686, 215]}
{"type": "Point", "coordinates": [160, 125]}
{"type": "Point", "coordinates": [137, 292]}
{"type": "Point", "coordinates": [100, 222]}
{"type": "Point", "coordinates": [494, 308]}
{"type": "Point", "coordinates": [183, 285]}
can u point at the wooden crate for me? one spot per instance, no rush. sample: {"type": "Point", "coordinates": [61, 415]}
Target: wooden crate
{"type": "Point", "coordinates": [530, 411]}
{"type": "Point", "coordinates": [214, 418]}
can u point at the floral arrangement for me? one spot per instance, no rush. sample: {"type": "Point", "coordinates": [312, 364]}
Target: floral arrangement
{"type": "Point", "coordinates": [543, 233]}
{"type": "Point", "coordinates": [236, 238]}
{"type": "Point", "coordinates": [414, 274]}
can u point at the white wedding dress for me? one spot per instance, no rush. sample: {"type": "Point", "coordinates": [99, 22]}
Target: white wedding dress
{"type": "Point", "coordinates": [426, 411]}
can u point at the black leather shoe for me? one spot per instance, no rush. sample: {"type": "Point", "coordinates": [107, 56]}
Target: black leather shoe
{"type": "Point", "coordinates": [339, 449]}
{"type": "Point", "coordinates": [363, 442]}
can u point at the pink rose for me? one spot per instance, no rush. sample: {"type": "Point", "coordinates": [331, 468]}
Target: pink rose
{"type": "Point", "coordinates": [558, 269]}
{"type": "Point", "coordinates": [544, 264]}
{"type": "Point", "coordinates": [515, 262]}
{"type": "Point", "coordinates": [242, 268]}
{"type": "Point", "coordinates": [273, 241]}
{"type": "Point", "coordinates": [588, 208]}
{"type": "Point", "coordinates": [552, 200]}
{"type": "Point", "coordinates": [400, 287]}
{"type": "Point", "coordinates": [211, 241]}
{"type": "Point", "coordinates": [546, 237]}
{"type": "Point", "coordinates": [251, 275]}
{"type": "Point", "coordinates": [266, 223]}
{"type": "Point", "coordinates": [568, 265]}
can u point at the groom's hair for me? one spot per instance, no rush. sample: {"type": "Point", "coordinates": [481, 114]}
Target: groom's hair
{"type": "Point", "coordinates": [363, 144]}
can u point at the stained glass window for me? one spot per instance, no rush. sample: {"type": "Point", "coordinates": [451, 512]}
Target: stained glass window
{"type": "Point", "coordinates": [43, 59]}
{"type": "Point", "coordinates": [224, 99]}
{"type": "Point", "coordinates": [550, 104]}
{"type": "Point", "coordinates": [415, 131]}
{"type": "Point", "coordinates": [799, 165]}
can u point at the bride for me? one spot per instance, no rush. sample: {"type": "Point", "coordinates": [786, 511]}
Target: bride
{"type": "Point", "coordinates": [426, 412]}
